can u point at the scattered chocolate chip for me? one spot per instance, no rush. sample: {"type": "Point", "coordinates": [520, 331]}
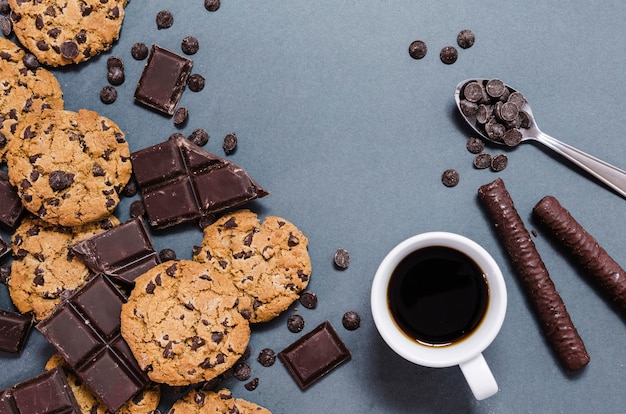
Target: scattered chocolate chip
{"type": "Point", "coordinates": [164, 19]}
{"type": "Point", "coordinates": [351, 320]}
{"type": "Point", "coordinates": [512, 137]}
{"type": "Point", "coordinates": [230, 143]}
{"type": "Point", "coordinates": [342, 258]}
{"type": "Point", "coordinates": [499, 162]}
{"type": "Point", "coordinates": [495, 88]}
{"type": "Point", "coordinates": [190, 45]}
{"type": "Point", "coordinates": [252, 385]}
{"type": "Point", "coordinates": [308, 299]}
{"type": "Point", "coordinates": [115, 62]}
{"type": "Point", "coordinates": [199, 136]}
{"type": "Point", "coordinates": [482, 160]}
{"type": "Point", "coordinates": [60, 180]}
{"type": "Point", "coordinates": [448, 55]}
{"type": "Point", "coordinates": [242, 371]}
{"type": "Point", "coordinates": [167, 254]}
{"type": "Point", "coordinates": [450, 177]}
{"type": "Point", "coordinates": [295, 323]}
{"type": "Point", "coordinates": [139, 51]}
{"type": "Point", "coordinates": [30, 61]}
{"type": "Point", "coordinates": [465, 39]}
{"type": "Point", "coordinates": [137, 208]}
{"type": "Point", "coordinates": [180, 116]}
{"type": "Point", "coordinates": [5, 272]}
{"type": "Point", "coordinates": [212, 5]}
{"type": "Point", "coordinates": [69, 49]}
{"type": "Point", "coordinates": [131, 188]}
{"type": "Point", "coordinates": [6, 26]}
{"type": "Point", "coordinates": [418, 49]}
{"type": "Point", "coordinates": [266, 357]}
{"type": "Point", "coordinates": [195, 82]}
{"type": "Point", "coordinates": [115, 76]}
{"type": "Point", "coordinates": [475, 145]}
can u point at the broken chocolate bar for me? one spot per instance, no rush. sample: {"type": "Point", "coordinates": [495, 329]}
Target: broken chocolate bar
{"type": "Point", "coordinates": [314, 355]}
{"type": "Point", "coordinates": [4, 247]}
{"type": "Point", "coordinates": [85, 330]}
{"type": "Point", "coordinates": [122, 253]}
{"type": "Point", "coordinates": [14, 330]}
{"type": "Point", "coordinates": [11, 208]}
{"type": "Point", "coordinates": [181, 182]}
{"type": "Point", "coordinates": [163, 80]}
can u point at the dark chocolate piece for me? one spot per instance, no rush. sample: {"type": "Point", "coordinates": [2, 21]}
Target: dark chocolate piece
{"type": "Point", "coordinates": [85, 330]}
{"type": "Point", "coordinates": [181, 182]}
{"type": "Point", "coordinates": [475, 145]}
{"type": "Point", "coordinates": [199, 137]}
{"type": "Point", "coordinates": [122, 253]}
{"type": "Point", "coordinates": [230, 143]}
{"type": "Point", "coordinates": [308, 299]}
{"type": "Point", "coordinates": [542, 294]}
{"type": "Point", "coordinates": [45, 393]}
{"type": "Point", "coordinates": [11, 208]}
{"type": "Point", "coordinates": [267, 357]}
{"type": "Point", "coordinates": [314, 355]}
{"type": "Point", "coordinates": [584, 248]}
{"type": "Point", "coordinates": [448, 55]}
{"type": "Point", "coordinates": [465, 39]}
{"type": "Point", "coordinates": [4, 247]}
{"type": "Point", "coordinates": [139, 51]}
{"type": "Point", "coordinates": [450, 177]}
{"type": "Point", "coordinates": [351, 320]}
{"type": "Point", "coordinates": [163, 80]}
{"type": "Point", "coordinates": [14, 330]}
{"type": "Point", "coordinates": [499, 162]}
{"type": "Point", "coordinates": [108, 94]}
{"type": "Point", "coordinates": [295, 323]}
{"type": "Point", "coordinates": [212, 5]}
{"type": "Point", "coordinates": [242, 371]}
{"type": "Point", "coordinates": [180, 116]}
{"type": "Point", "coordinates": [418, 49]}
{"type": "Point", "coordinates": [482, 160]}
{"type": "Point", "coordinates": [189, 45]}
{"type": "Point", "coordinates": [164, 19]}
{"type": "Point", "coordinates": [342, 258]}
{"type": "Point", "coordinates": [196, 82]}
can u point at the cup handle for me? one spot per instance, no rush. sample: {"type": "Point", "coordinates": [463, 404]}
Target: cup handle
{"type": "Point", "coordinates": [479, 377]}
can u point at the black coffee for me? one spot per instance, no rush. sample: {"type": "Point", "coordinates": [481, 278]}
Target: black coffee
{"type": "Point", "coordinates": [437, 295]}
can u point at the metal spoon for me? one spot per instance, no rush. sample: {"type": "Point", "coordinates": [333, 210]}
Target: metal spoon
{"type": "Point", "coordinates": [610, 175]}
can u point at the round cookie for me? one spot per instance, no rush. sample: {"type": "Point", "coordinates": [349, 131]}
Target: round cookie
{"type": "Point", "coordinates": [68, 167]}
{"type": "Point", "coordinates": [22, 91]}
{"type": "Point", "coordinates": [183, 323]}
{"type": "Point", "coordinates": [43, 267]}
{"type": "Point", "coordinates": [143, 403]}
{"type": "Point", "coordinates": [222, 401]}
{"type": "Point", "coordinates": [62, 33]}
{"type": "Point", "coordinates": [268, 263]}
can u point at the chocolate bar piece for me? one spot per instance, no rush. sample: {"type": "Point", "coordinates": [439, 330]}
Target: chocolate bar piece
{"type": "Point", "coordinates": [4, 247]}
{"type": "Point", "coordinates": [584, 247]}
{"type": "Point", "coordinates": [532, 271]}
{"type": "Point", "coordinates": [85, 330]}
{"type": "Point", "coordinates": [11, 207]}
{"type": "Point", "coordinates": [181, 182]}
{"type": "Point", "coordinates": [45, 393]}
{"type": "Point", "coordinates": [163, 80]}
{"type": "Point", "coordinates": [314, 355]}
{"type": "Point", "coordinates": [14, 330]}
{"type": "Point", "coordinates": [122, 253]}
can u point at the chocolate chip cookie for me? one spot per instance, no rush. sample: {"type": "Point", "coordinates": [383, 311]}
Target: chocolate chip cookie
{"type": "Point", "coordinates": [23, 91]}
{"type": "Point", "coordinates": [62, 33]}
{"type": "Point", "coordinates": [268, 263]}
{"type": "Point", "coordinates": [183, 324]}
{"type": "Point", "coordinates": [68, 167]}
{"type": "Point", "coordinates": [222, 401]}
{"type": "Point", "coordinates": [43, 267]}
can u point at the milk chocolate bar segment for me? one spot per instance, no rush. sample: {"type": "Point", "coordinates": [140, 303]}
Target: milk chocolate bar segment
{"type": "Point", "coordinates": [584, 247]}
{"type": "Point", "coordinates": [540, 289]}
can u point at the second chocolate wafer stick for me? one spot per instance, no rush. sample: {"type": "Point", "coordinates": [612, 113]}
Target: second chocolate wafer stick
{"type": "Point", "coordinates": [584, 247]}
{"type": "Point", "coordinates": [542, 294]}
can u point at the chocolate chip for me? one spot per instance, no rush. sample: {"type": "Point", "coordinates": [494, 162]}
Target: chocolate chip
{"type": "Point", "coordinates": [450, 178]}
{"type": "Point", "coordinates": [495, 88]}
{"type": "Point", "coordinates": [475, 145]}
{"type": "Point", "coordinates": [150, 287]}
{"type": "Point", "coordinates": [266, 357]}
{"type": "Point", "coordinates": [473, 92]}
{"type": "Point", "coordinates": [115, 76]}
{"type": "Point", "coordinates": [180, 116]}
{"type": "Point", "coordinates": [69, 49]}
{"type": "Point", "coordinates": [351, 320]}
{"type": "Point", "coordinates": [212, 5]}
{"type": "Point", "coordinates": [242, 371]}
{"type": "Point", "coordinates": [196, 82]}
{"type": "Point", "coordinates": [465, 39]}
{"type": "Point", "coordinates": [295, 323]}
{"type": "Point", "coordinates": [5, 272]}
{"type": "Point", "coordinates": [308, 299]}
{"type": "Point", "coordinates": [167, 254]}
{"type": "Point", "coordinates": [139, 51]}
{"type": "Point", "coordinates": [199, 137]}
{"type": "Point", "coordinates": [60, 180]}
{"type": "Point", "coordinates": [137, 208]}
{"type": "Point", "coordinates": [115, 62]}
{"type": "Point", "coordinates": [6, 26]}
{"type": "Point", "coordinates": [97, 170]}
{"type": "Point", "coordinates": [4, 7]}
{"type": "Point", "coordinates": [197, 342]}
{"type": "Point", "coordinates": [30, 61]}
{"type": "Point", "coordinates": [342, 258]}
{"type": "Point", "coordinates": [164, 19]}
{"type": "Point", "coordinates": [448, 55]}
{"type": "Point", "coordinates": [252, 385]}
{"type": "Point", "coordinates": [230, 143]}
{"type": "Point", "coordinates": [418, 49]}
{"type": "Point", "coordinates": [190, 45]}
{"type": "Point", "coordinates": [499, 162]}
{"type": "Point", "coordinates": [131, 187]}
{"type": "Point", "coordinates": [482, 160]}
{"type": "Point", "coordinates": [512, 137]}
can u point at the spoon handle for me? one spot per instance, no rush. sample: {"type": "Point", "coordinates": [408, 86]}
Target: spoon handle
{"type": "Point", "coordinates": [610, 175]}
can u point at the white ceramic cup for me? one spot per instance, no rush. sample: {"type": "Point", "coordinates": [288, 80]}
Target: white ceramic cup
{"type": "Point", "coordinates": [466, 353]}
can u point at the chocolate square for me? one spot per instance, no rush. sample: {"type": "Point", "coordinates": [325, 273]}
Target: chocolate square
{"type": "Point", "coordinates": [14, 330]}
{"type": "Point", "coordinates": [11, 208]}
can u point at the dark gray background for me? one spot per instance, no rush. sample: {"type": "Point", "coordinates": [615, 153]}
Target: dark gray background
{"type": "Point", "coordinates": [350, 135]}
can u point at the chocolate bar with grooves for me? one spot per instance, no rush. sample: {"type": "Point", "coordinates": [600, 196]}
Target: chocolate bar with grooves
{"type": "Point", "coordinates": [583, 247]}
{"type": "Point", "coordinates": [541, 292]}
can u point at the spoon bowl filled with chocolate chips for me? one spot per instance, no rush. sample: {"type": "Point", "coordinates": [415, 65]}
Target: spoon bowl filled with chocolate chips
{"type": "Point", "coordinates": [501, 114]}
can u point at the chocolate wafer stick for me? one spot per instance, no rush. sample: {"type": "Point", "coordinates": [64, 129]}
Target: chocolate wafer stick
{"type": "Point", "coordinates": [584, 248]}
{"type": "Point", "coordinates": [540, 289]}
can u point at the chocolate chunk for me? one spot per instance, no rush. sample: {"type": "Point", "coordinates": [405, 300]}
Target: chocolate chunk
{"type": "Point", "coordinates": [252, 385]}
{"type": "Point", "coordinates": [308, 299]}
{"type": "Point", "coordinates": [108, 94]}
{"type": "Point", "coordinates": [266, 357]}
{"type": "Point", "coordinates": [242, 371]}
{"type": "Point", "coordinates": [122, 253]}
{"type": "Point", "coordinates": [14, 330]}
{"type": "Point", "coordinates": [199, 137]}
{"type": "Point", "coordinates": [164, 19]}
{"type": "Point", "coordinates": [163, 80]}
{"type": "Point", "coordinates": [6, 26]}
{"type": "Point", "coordinates": [450, 177]}
{"type": "Point", "coordinates": [180, 116]}
{"type": "Point", "coordinates": [230, 143]}
{"type": "Point", "coordinates": [139, 51]}
{"type": "Point", "coordinates": [181, 182]}
{"type": "Point", "coordinates": [11, 207]}
{"type": "Point", "coordinates": [482, 160]}
{"type": "Point", "coordinates": [60, 180]}
{"type": "Point", "coordinates": [69, 49]}
{"type": "Point", "coordinates": [85, 330]}
{"type": "Point", "coordinates": [418, 49]}
{"type": "Point", "coordinates": [341, 258]}
{"type": "Point", "coordinates": [45, 393]}
{"type": "Point", "coordinates": [115, 76]}
{"type": "Point", "coordinates": [212, 5]}
{"type": "Point", "coordinates": [351, 320]}
{"type": "Point", "coordinates": [30, 61]}
{"type": "Point", "coordinates": [448, 55]}
{"type": "Point", "coordinates": [499, 162]}
{"type": "Point", "coordinates": [196, 82]}
{"type": "Point", "coordinates": [314, 355]}
{"type": "Point", "coordinates": [475, 145]}
{"type": "Point", "coordinates": [465, 39]}
{"type": "Point", "coordinates": [295, 323]}
{"type": "Point", "coordinates": [190, 45]}
{"type": "Point", "coordinates": [131, 188]}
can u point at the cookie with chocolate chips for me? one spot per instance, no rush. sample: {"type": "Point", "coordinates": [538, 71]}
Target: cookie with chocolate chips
{"type": "Point", "coordinates": [62, 33]}
{"type": "Point", "coordinates": [23, 90]}
{"type": "Point", "coordinates": [222, 401]}
{"type": "Point", "coordinates": [268, 263]}
{"type": "Point", "coordinates": [43, 268]}
{"type": "Point", "coordinates": [68, 167]}
{"type": "Point", "coordinates": [183, 324]}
